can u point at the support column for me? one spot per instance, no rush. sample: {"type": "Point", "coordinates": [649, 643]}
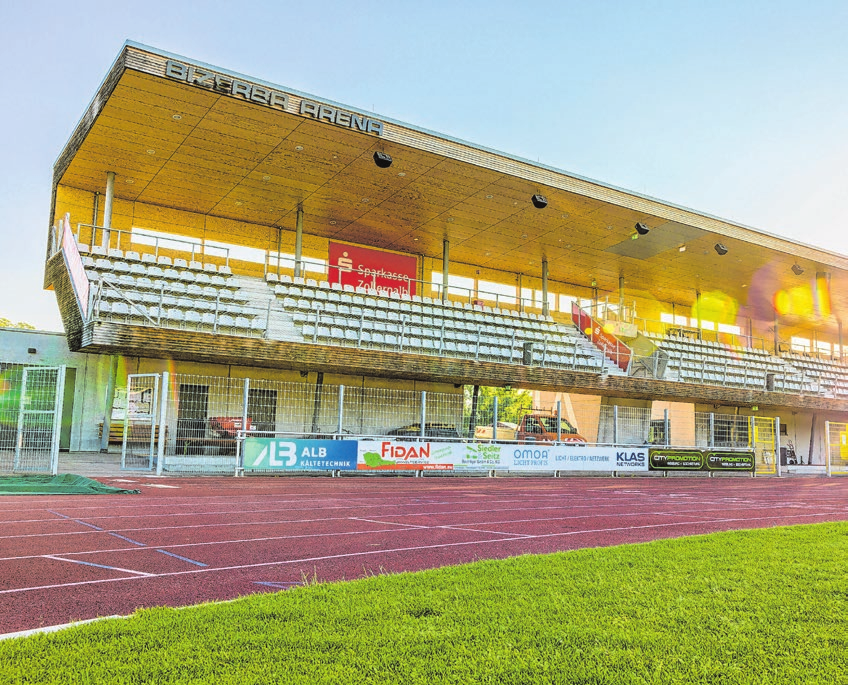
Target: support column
{"type": "Point", "coordinates": [95, 210]}
{"type": "Point", "coordinates": [107, 208]}
{"type": "Point", "coordinates": [776, 337]}
{"type": "Point", "coordinates": [298, 243]}
{"type": "Point", "coordinates": [839, 333]}
{"type": "Point", "coordinates": [698, 309]}
{"type": "Point", "coordinates": [545, 307]}
{"type": "Point", "coordinates": [110, 399]}
{"type": "Point", "coordinates": [621, 298]}
{"type": "Point", "coordinates": [445, 268]}
{"type": "Point", "coordinates": [279, 247]}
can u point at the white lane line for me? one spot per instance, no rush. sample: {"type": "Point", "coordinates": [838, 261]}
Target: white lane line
{"type": "Point", "coordinates": [381, 522]}
{"type": "Point", "coordinates": [499, 541]}
{"type": "Point", "coordinates": [615, 507]}
{"type": "Point", "coordinates": [53, 629]}
{"type": "Point", "coordinates": [88, 563]}
{"type": "Point", "coordinates": [216, 542]}
{"type": "Point", "coordinates": [352, 503]}
{"type": "Point", "coordinates": [386, 523]}
{"type": "Point", "coordinates": [483, 530]}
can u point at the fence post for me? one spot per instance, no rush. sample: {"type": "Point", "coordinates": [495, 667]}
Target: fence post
{"type": "Point", "coordinates": [826, 448]}
{"type": "Point", "coordinates": [495, 418]}
{"type": "Point", "coordinates": [163, 418]}
{"type": "Point", "coordinates": [57, 420]}
{"type": "Point", "coordinates": [423, 413]}
{"type": "Point", "coordinates": [615, 424]}
{"type": "Point", "coordinates": [341, 410]}
{"type": "Point", "coordinates": [666, 426]}
{"type": "Point", "coordinates": [559, 420]}
{"type": "Point", "coordinates": [752, 440]}
{"type": "Point", "coordinates": [711, 438]}
{"type": "Point", "coordinates": [777, 464]}
{"type": "Point", "coordinates": [244, 402]}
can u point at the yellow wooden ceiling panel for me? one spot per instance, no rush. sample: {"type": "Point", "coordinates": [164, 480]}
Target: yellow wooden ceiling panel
{"type": "Point", "coordinates": [225, 151]}
{"type": "Point", "coordinates": [148, 87]}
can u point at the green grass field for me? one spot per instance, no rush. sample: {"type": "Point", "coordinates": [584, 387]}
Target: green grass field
{"type": "Point", "coordinates": [763, 606]}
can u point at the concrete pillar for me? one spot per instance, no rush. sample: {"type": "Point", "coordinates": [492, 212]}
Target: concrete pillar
{"type": "Point", "coordinates": [110, 399]}
{"type": "Point", "coordinates": [107, 207]}
{"type": "Point", "coordinates": [545, 307]}
{"type": "Point", "coordinates": [776, 336]}
{"type": "Point", "coordinates": [298, 243]}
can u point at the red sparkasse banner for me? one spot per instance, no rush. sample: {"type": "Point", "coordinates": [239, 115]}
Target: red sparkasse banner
{"type": "Point", "coordinates": [366, 268]}
{"type": "Point", "coordinates": [615, 350]}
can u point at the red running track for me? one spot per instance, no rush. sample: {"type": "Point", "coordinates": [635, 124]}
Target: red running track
{"type": "Point", "coordinates": [183, 541]}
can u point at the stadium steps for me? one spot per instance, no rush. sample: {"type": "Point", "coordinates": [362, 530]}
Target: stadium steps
{"type": "Point", "coordinates": [256, 293]}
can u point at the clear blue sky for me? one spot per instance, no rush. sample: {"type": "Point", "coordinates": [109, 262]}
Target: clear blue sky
{"type": "Point", "coordinates": [737, 109]}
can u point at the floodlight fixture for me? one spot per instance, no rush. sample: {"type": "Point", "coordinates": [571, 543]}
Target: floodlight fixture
{"type": "Point", "coordinates": [539, 201]}
{"type": "Point", "coordinates": [382, 159]}
{"type": "Point", "coordinates": [797, 269]}
{"type": "Point", "coordinates": [721, 249]}
{"type": "Point", "coordinates": [641, 229]}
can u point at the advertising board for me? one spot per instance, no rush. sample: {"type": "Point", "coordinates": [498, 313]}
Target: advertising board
{"type": "Point", "coordinates": [377, 455]}
{"type": "Point", "coordinates": [283, 454]}
{"type": "Point", "coordinates": [362, 267]}
{"type": "Point", "coordinates": [661, 459]}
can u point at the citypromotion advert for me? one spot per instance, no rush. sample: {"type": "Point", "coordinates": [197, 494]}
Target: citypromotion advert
{"type": "Point", "coordinates": [269, 454]}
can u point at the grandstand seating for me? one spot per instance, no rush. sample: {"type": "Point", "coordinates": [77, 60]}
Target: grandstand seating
{"type": "Point", "coordinates": [820, 375]}
{"type": "Point", "coordinates": [368, 318]}
{"type": "Point", "coordinates": [142, 289]}
{"type": "Point", "coordinates": [147, 289]}
{"type": "Point", "coordinates": [713, 363]}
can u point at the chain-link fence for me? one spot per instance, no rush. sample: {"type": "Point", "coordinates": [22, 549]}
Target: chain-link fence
{"type": "Point", "coordinates": [203, 415]}
{"type": "Point", "coordinates": [30, 417]}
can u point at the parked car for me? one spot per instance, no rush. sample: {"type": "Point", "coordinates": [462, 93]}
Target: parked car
{"type": "Point", "coordinates": [431, 430]}
{"type": "Point", "coordinates": [506, 431]}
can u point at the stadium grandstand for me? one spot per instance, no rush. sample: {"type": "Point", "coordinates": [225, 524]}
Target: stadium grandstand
{"type": "Point", "coordinates": [237, 260]}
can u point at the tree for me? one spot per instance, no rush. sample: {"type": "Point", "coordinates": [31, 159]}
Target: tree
{"type": "Point", "coordinates": [512, 403]}
{"type": "Point", "coordinates": [7, 323]}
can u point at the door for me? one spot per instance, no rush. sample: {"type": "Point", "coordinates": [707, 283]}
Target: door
{"type": "Point", "coordinates": [138, 447]}
{"type": "Point", "coordinates": [262, 409]}
{"type": "Point", "coordinates": [192, 414]}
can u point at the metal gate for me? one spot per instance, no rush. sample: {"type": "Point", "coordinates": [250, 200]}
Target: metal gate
{"type": "Point", "coordinates": [138, 447]}
{"type": "Point", "coordinates": [764, 444]}
{"type": "Point", "coordinates": [30, 417]}
{"type": "Point", "coordinates": [836, 434]}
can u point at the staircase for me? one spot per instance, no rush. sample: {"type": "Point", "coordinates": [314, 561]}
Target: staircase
{"type": "Point", "coordinates": [258, 295]}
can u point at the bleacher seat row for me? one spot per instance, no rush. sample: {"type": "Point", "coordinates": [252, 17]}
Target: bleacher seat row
{"type": "Point", "coordinates": [148, 290]}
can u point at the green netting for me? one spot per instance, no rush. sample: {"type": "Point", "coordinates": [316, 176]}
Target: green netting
{"type": "Point", "coordinates": [67, 484]}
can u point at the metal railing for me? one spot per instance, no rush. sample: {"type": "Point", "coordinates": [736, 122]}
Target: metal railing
{"type": "Point", "coordinates": [137, 240]}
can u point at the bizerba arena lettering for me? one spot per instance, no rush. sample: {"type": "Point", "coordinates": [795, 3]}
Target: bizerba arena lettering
{"type": "Point", "coordinates": [224, 84]}
{"type": "Point", "coordinates": [340, 117]}
{"type": "Point", "coordinates": [261, 95]}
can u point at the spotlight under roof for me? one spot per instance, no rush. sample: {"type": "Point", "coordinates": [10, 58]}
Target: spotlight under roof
{"type": "Point", "coordinates": [382, 159]}
{"type": "Point", "coordinates": [539, 201]}
{"type": "Point", "coordinates": [721, 249]}
{"type": "Point", "coordinates": [641, 229]}
{"type": "Point", "coordinates": [797, 269]}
